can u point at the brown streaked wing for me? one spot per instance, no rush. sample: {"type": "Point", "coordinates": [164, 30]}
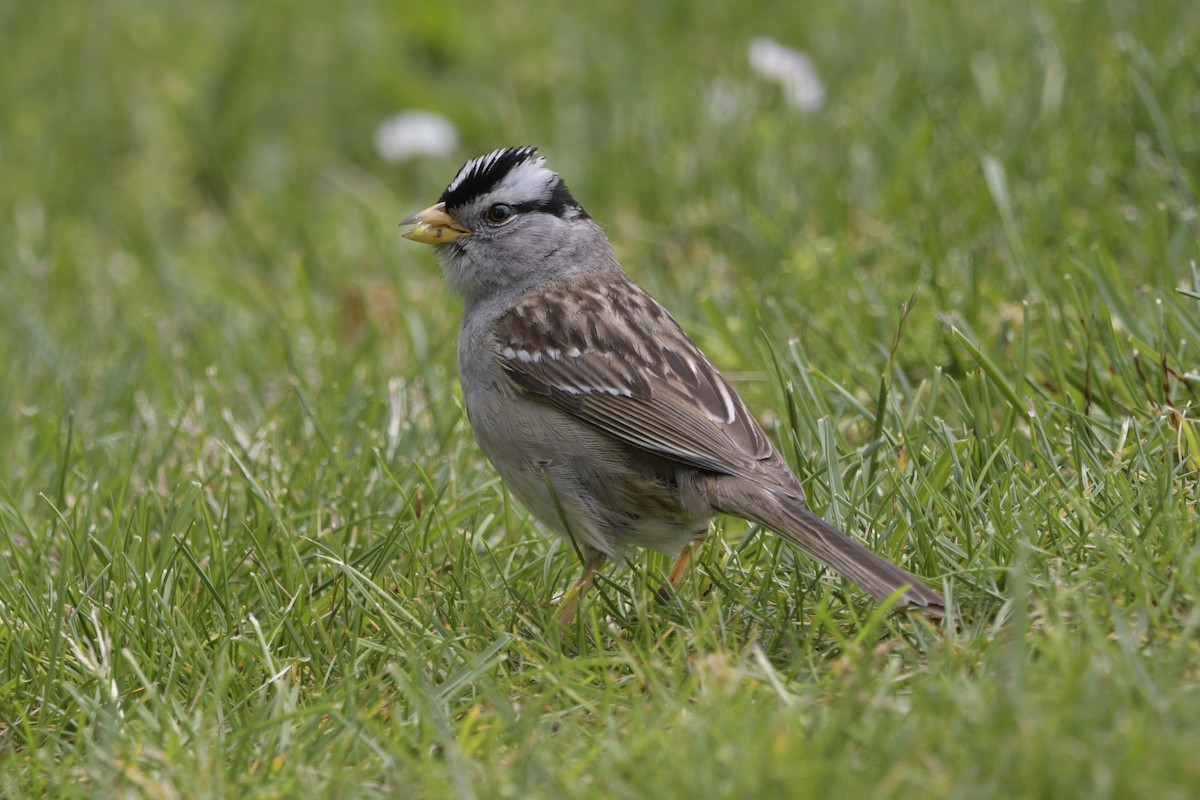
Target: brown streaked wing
{"type": "Point", "coordinates": [634, 375]}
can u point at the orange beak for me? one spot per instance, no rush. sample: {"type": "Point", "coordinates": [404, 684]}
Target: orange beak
{"type": "Point", "coordinates": [435, 226]}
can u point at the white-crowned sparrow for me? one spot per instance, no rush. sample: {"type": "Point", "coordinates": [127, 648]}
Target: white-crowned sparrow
{"type": "Point", "coordinates": [598, 411]}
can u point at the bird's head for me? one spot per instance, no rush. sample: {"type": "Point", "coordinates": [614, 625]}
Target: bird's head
{"type": "Point", "coordinates": [504, 222]}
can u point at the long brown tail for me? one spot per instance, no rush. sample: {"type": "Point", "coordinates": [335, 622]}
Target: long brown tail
{"type": "Point", "coordinates": [789, 518]}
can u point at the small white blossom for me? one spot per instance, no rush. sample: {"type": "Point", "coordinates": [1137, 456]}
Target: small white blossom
{"type": "Point", "coordinates": [791, 69]}
{"type": "Point", "coordinates": [415, 133]}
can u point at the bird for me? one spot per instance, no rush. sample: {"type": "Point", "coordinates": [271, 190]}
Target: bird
{"type": "Point", "coordinates": [600, 414]}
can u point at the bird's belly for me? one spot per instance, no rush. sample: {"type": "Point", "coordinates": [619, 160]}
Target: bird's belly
{"type": "Point", "coordinates": [583, 484]}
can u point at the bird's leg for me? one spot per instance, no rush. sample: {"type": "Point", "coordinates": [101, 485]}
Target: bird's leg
{"type": "Point", "coordinates": [571, 601]}
{"type": "Point", "coordinates": [681, 565]}
{"type": "Point", "coordinates": [678, 570]}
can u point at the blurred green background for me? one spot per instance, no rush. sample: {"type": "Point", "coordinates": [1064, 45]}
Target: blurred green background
{"type": "Point", "coordinates": [247, 544]}
{"type": "Point", "coordinates": [197, 177]}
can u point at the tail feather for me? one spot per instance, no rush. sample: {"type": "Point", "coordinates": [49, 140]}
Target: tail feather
{"type": "Point", "coordinates": [789, 518]}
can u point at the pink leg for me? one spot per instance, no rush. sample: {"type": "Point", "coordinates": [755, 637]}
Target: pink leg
{"type": "Point", "coordinates": [681, 565]}
{"type": "Point", "coordinates": [571, 601]}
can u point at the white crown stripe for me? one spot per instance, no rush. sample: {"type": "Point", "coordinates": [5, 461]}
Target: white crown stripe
{"type": "Point", "coordinates": [529, 180]}
{"type": "Point", "coordinates": [483, 163]}
{"type": "Point", "coordinates": [479, 163]}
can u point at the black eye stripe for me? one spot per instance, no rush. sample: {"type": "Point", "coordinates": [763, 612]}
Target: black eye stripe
{"type": "Point", "coordinates": [558, 202]}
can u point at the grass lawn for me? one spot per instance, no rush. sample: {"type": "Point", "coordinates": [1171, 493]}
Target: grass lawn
{"type": "Point", "coordinates": [248, 547]}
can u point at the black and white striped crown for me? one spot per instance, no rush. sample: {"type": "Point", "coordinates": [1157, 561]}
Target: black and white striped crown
{"type": "Point", "coordinates": [517, 176]}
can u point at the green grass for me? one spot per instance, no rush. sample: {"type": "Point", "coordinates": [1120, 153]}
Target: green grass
{"type": "Point", "coordinates": [249, 549]}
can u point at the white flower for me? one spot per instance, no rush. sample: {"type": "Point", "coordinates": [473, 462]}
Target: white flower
{"type": "Point", "coordinates": [792, 69]}
{"type": "Point", "coordinates": [415, 133]}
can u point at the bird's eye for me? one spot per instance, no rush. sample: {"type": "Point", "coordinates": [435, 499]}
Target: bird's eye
{"type": "Point", "coordinates": [500, 214]}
